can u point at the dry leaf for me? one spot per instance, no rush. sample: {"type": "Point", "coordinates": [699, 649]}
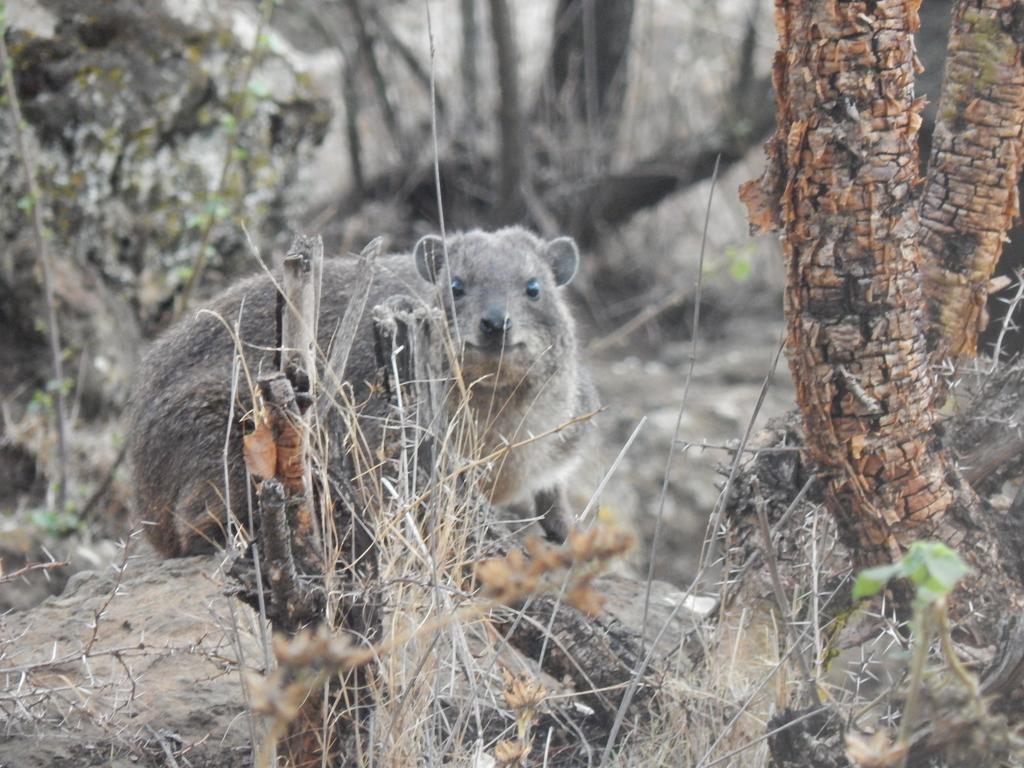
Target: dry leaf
{"type": "Point", "coordinates": [260, 451]}
{"type": "Point", "coordinates": [874, 751]}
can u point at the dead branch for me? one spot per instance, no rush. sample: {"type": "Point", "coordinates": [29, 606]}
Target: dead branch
{"type": "Point", "coordinates": [30, 568]}
{"type": "Point", "coordinates": [355, 145]}
{"type": "Point", "coordinates": [586, 208]}
{"type": "Point", "coordinates": [290, 419]}
{"type": "Point", "coordinates": [290, 605]}
{"type": "Point", "coordinates": [298, 313]}
{"type": "Point", "coordinates": [970, 193]}
{"type": "Point", "coordinates": [616, 197]}
{"type": "Point", "coordinates": [586, 81]}
{"type": "Point", "coordinates": [404, 53]}
{"type": "Point", "coordinates": [278, 450]}
{"type": "Point", "coordinates": [380, 83]}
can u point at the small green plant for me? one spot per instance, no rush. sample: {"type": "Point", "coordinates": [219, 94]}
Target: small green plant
{"type": "Point", "coordinates": [54, 522]}
{"type": "Point", "coordinates": [44, 400]}
{"type": "Point", "coordinates": [740, 258]}
{"type": "Point", "coordinates": [934, 569]}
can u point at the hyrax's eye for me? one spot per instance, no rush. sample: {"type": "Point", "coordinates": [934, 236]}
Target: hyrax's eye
{"type": "Point", "coordinates": [458, 288]}
{"type": "Point", "coordinates": [533, 289]}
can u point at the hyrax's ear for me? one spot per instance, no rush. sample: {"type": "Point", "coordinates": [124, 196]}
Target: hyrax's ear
{"type": "Point", "coordinates": [429, 254]}
{"type": "Point", "coordinates": [564, 258]}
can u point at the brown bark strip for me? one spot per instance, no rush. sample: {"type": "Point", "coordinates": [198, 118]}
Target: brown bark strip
{"type": "Point", "coordinates": [289, 535]}
{"type": "Point", "coordinates": [970, 194]}
{"type": "Point", "coordinates": [841, 170]}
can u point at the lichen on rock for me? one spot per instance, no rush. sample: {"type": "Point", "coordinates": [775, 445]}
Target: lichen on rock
{"type": "Point", "coordinates": [129, 110]}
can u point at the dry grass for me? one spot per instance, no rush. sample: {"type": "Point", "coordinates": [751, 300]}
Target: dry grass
{"type": "Point", "coordinates": [427, 675]}
{"type": "Point", "coordinates": [429, 680]}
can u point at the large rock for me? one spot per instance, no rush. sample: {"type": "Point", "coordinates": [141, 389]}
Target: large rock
{"type": "Point", "coordinates": [129, 114]}
{"type": "Point", "coordinates": [117, 671]}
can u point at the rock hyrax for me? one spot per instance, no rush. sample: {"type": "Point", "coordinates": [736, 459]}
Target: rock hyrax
{"type": "Point", "coordinates": [519, 355]}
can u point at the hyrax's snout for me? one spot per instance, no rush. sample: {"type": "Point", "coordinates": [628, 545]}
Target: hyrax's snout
{"type": "Point", "coordinates": [495, 324]}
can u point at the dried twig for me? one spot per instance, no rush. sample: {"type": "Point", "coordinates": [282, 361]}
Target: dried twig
{"type": "Point", "coordinates": [120, 570]}
{"type": "Point", "coordinates": [30, 568]}
{"type": "Point", "coordinates": [785, 612]}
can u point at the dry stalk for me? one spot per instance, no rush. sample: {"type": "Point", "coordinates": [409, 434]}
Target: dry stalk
{"type": "Point", "coordinates": [120, 570]}
{"type": "Point", "coordinates": [524, 697]}
{"type": "Point", "coordinates": [309, 660]}
{"type": "Point", "coordinates": [584, 555]}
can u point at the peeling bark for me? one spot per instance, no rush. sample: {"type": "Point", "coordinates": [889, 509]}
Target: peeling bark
{"type": "Point", "coordinates": [842, 167]}
{"type": "Point", "coordinates": [970, 194]}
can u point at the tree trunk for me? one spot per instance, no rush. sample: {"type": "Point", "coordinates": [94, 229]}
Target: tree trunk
{"type": "Point", "coordinates": [589, 53]}
{"type": "Point", "coordinates": [970, 194]}
{"type": "Point", "coordinates": [510, 118]}
{"type": "Point", "coordinates": [843, 165]}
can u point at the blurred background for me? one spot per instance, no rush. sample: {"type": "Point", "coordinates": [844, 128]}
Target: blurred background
{"type": "Point", "coordinates": [164, 131]}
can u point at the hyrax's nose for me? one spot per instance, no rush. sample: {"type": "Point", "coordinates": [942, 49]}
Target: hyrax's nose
{"type": "Point", "coordinates": [495, 322]}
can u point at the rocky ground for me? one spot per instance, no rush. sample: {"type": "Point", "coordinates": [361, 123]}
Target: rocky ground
{"type": "Point", "coordinates": [647, 384]}
{"type": "Point", "coordinates": [126, 666]}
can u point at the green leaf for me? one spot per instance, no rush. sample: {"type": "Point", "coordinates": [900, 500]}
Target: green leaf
{"type": "Point", "coordinates": [945, 566]}
{"type": "Point", "coordinates": [63, 386]}
{"type": "Point", "coordinates": [196, 221]}
{"type": "Point", "coordinates": [936, 566]}
{"type": "Point", "coordinates": [931, 566]}
{"type": "Point", "coordinates": [221, 210]}
{"type": "Point", "coordinates": [739, 269]}
{"type": "Point", "coordinates": [258, 90]}
{"type": "Point", "coordinates": [41, 401]}
{"type": "Point", "coordinates": [870, 581]}
{"type": "Point", "coordinates": [26, 203]}
{"type": "Point", "coordinates": [55, 522]}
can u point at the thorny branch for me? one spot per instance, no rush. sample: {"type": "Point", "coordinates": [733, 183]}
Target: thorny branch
{"type": "Point", "coordinates": [30, 568]}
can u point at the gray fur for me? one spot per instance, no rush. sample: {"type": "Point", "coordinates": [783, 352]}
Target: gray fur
{"type": "Point", "coordinates": [179, 419]}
